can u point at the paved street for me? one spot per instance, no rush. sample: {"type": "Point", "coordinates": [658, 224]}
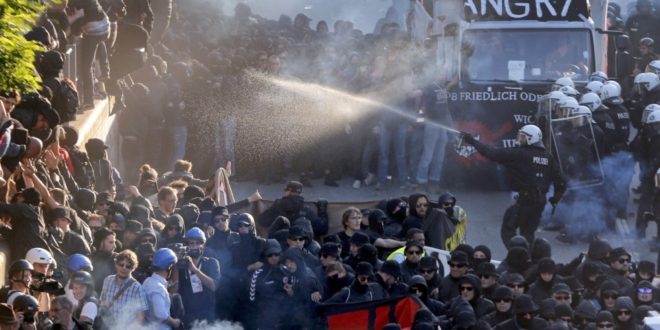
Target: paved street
{"type": "Point", "coordinates": [484, 209]}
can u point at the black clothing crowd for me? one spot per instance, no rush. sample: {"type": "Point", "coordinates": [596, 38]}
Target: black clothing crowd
{"type": "Point", "coordinates": [88, 250]}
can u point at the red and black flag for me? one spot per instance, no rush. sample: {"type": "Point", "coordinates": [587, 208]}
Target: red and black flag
{"type": "Point", "coordinates": [372, 315]}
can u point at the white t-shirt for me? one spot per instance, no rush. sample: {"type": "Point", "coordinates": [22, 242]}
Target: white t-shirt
{"type": "Point", "coordinates": [89, 310]}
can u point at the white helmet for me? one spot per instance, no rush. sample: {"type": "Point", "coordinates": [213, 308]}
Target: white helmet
{"type": "Point", "coordinates": [582, 110]}
{"type": "Point", "coordinates": [532, 134]}
{"type": "Point", "coordinates": [654, 117]}
{"type": "Point", "coordinates": [591, 100]}
{"type": "Point", "coordinates": [598, 76]}
{"type": "Point", "coordinates": [613, 82]}
{"type": "Point", "coordinates": [556, 96]}
{"type": "Point", "coordinates": [653, 66]}
{"type": "Point", "coordinates": [609, 91]}
{"type": "Point", "coordinates": [646, 81]}
{"type": "Point", "coordinates": [594, 86]}
{"type": "Point", "coordinates": [569, 91]}
{"type": "Point", "coordinates": [568, 105]}
{"type": "Point", "coordinates": [651, 108]}
{"type": "Point", "coordinates": [563, 81]}
{"type": "Point", "coordinates": [39, 256]}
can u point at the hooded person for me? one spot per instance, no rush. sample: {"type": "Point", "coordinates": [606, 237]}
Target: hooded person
{"type": "Point", "coordinates": [642, 312]}
{"type": "Point", "coordinates": [103, 179]}
{"type": "Point", "coordinates": [396, 210]}
{"type": "Point", "coordinates": [377, 219]}
{"type": "Point", "coordinates": [439, 226]}
{"type": "Point", "coordinates": [388, 278]}
{"type": "Point", "coordinates": [524, 310]}
{"type": "Point", "coordinates": [597, 253]}
{"type": "Point", "coordinates": [189, 213]}
{"type": "Point", "coordinates": [546, 279]}
{"type": "Point", "coordinates": [619, 261]}
{"type": "Point", "coordinates": [428, 269]}
{"type": "Point", "coordinates": [417, 286]}
{"type": "Point", "coordinates": [299, 284]}
{"type": "Point", "coordinates": [419, 208]}
{"type": "Point", "coordinates": [265, 295]}
{"type": "Point", "coordinates": [624, 308]}
{"type": "Point", "coordinates": [516, 261]}
{"type": "Point", "coordinates": [605, 320]}
{"type": "Point", "coordinates": [148, 235]}
{"type": "Point", "coordinates": [173, 233]}
{"type": "Point", "coordinates": [145, 253]}
{"type": "Point", "coordinates": [369, 253]}
{"type": "Point", "coordinates": [481, 254]}
{"type": "Point", "coordinates": [585, 313]}
{"type": "Point", "coordinates": [470, 291]}
{"type": "Point", "coordinates": [28, 229]}
{"type": "Point", "coordinates": [361, 290]}
{"type": "Point", "coordinates": [141, 214]}
{"type": "Point", "coordinates": [246, 248]}
{"type": "Point", "coordinates": [503, 300]}
{"type": "Point", "coordinates": [645, 294]}
{"type": "Point", "coordinates": [292, 206]}
{"type": "Point", "coordinates": [410, 265]}
{"type": "Point", "coordinates": [645, 271]}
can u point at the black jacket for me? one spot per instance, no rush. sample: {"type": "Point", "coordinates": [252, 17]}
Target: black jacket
{"type": "Point", "coordinates": [27, 228]}
{"type": "Point", "coordinates": [292, 207]}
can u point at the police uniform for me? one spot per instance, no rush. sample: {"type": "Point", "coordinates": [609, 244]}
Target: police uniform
{"type": "Point", "coordinates": [530, 171]}
{"type": "Point", "coordinates": [602, 117]}
{"type": "Point", "coordinates": [621, 120]}
{"type": "Point", "coordinates": [649, 152]}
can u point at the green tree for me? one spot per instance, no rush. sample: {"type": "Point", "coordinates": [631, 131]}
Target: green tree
{"type": "Point", "coordinates": [17, 69]}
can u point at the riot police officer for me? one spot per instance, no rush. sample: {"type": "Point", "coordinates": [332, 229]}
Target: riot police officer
{"type": "Point", "coordinates": [601, 115]}
{"type": "Point", "coordinates": [530, 171]}
{"type": "Point", "coordinates": [649, 148]}
{"type": "Point", "coordinates": [646, 90]}
{"type": "Point", "coordinates": [610, 95]}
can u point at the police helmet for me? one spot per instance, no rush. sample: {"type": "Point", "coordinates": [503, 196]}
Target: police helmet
{"type": "Point", "coordinates": [591, 100]}
{"type": "Point", "coordinates": [651, 108]}
{"type": "Point", "coordinates": [78, 262]}
{"type": "Point", "coordinates": [532, 134]}
{"type": "Point", "coordinates": [654, 117]}
{"type": "Point", "coordinates": [609, 91]}
{"type": "Point", "coordinates": [163, 259]}
{"type": "Point", "coordinates": [599, 76]}
{"type": "Point", "coordinates": [646, 81]}
{"type": "Point", "coordinates": [195, 233]}
{"type": "Point", "coordinates": [563, 81]}
{"type": "Point", "coordinates": [594, 86]}
{"type": "Point", "coordinates": [569, 91]}
{"type": "Point", "coordinates": [653, 66]}
{"type": "Point", "coordinates": [646, 41]}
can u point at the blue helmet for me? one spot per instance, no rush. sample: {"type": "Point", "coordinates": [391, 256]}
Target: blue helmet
{"type": "Point", "coordinates": [78, 262]}
{"type": "Point", "coordinates": [195, 233]}
{"type": "Point", "coordinates": [163, 259]}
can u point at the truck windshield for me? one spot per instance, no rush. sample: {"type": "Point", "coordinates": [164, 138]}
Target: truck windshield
{"type": "Point", "coordinates": [526, 55]}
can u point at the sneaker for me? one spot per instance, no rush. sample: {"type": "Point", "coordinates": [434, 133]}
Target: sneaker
{"type": "Point", "coordinates": [369, 180]}
{"type": "Point", "coordinates": [357, 184]}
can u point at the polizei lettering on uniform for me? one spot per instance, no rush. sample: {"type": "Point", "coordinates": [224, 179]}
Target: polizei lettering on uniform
{"type": "Point", "coordinates": [540, 161]}
{"type": "Point", "coordinates": [526, 9]}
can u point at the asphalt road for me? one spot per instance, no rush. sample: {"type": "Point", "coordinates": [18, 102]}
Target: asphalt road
{"type": "Point", "coordinates": [484, 208]}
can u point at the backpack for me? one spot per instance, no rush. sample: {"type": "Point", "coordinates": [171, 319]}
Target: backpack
{"type": "Point", "coordinates": [84, 172]}
{"type": "Point", "coordinates": [65, 100]}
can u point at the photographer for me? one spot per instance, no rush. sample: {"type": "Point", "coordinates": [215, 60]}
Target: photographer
{"type": "Point", "coordinates": [158, 316]}
{"type": "Point", "coordinates": [82, 286]}
{"type": "Point", "coordinates": [44, 277]}
{"type": "Point", "coordinates": [198, 279]}
{"type": "Point", "coordinates": [26, 308]}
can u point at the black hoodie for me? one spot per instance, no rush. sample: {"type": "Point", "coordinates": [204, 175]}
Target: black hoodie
{"type": "Point", "coordinates": [413, 220]}
{"type": "Point", "coordinates": [298, 306]}
{"type": "Point", "coordinates": [480, 305]}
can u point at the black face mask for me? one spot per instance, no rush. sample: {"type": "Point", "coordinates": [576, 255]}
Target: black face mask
{"type": "Point", "coordinates": [449, 211]}
{"type": "Point", "coordinates": [335, 283]}
{"type": "Point", "coordinates": [524, 322]}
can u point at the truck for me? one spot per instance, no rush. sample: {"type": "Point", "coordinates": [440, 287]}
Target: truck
{"type": "Point", "coordinates": [506, 55]}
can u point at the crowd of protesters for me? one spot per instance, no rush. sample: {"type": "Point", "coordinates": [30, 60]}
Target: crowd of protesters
{"type": "Point", "coordinates": [88, 250]}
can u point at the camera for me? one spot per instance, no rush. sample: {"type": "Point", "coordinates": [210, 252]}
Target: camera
{"type": "Point", "coordinates": [181, 252]}
{"type": "Point", "coordinates": [48, 284]}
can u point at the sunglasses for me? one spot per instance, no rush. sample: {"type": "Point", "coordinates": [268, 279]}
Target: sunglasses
{"type": "Point", "coordinates": [624, 260]}
{"type": "Point", "coordinates": [422, 205]}
{"type": "Point", "coordinates": [515, 286]}
{"type": "Point", "coordinates": [623, 312]}
{"type": "Point", "coordinates": [416, 252]}
{"type": "Point", "coordinates": [273, 255]}
{"type": "Point", "coordinates": [126, 265]}
{"type": "Point", "coordinates": [149, 240]}
{"type": "Point", "coordinates": [243, 225]}
{"type": "Point", "coordinates": [453, 265]}
{"type": "Point", "coordinates": [561, 297]}
{"type": "Point", "coordinates": [466, 288]}
{"type": "Point", "coordinates": [427, 271]}
{"type": "Point", "coordinates": [499, 301]}
{"type": "Point", "coordinates": [485, 277]}
{"type": "Point", "coordinates": [609, 296]}
{"type": "Point", "coordinates": [645, 290]}
{"type": "Point", "coordinates": [606, 325]}
{"type": "Point", "coordinates": [448, 204]}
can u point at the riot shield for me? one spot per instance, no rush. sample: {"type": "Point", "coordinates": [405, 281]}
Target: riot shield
{"type": "Point", "coordinates": [576, 151]}
{"type": "Point", "coordinates": [543, 117]}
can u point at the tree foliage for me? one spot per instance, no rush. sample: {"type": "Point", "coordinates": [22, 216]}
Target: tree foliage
{"type": "Point", "coordinates": [17, 55]}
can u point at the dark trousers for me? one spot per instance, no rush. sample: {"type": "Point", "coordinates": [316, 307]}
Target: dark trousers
{"type": "Point", "coordinates": [523, 217]}
{"type": "Point", "coordinates": [89, 45]}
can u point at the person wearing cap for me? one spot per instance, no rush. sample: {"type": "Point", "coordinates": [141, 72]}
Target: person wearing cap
{"type": "Point", "coordinates": [8, 320]}
{"type": "Point", "coordinates": [389, 278]}
{"type": "Point", "coordinates": [546, 279]}
{"type": "Point", "coordinates": [163, 265]}
{"type": "Point", "coordinates": [604, 321]}
{"type": "Point", "coordinates": [524, 311]}
{"type": "Point", "coordinates": [428, 269]}
{"type": "Point", "coordinates": [103, 202]}
{"type": "Point", "coordinates": [105, 243]}
{"type": "Point", "coordinates": [292, 206]}
{"type": "Point", "coordinates": [265, 297]}
{"type": "Point", "coordinates": [361, 290]}
{"type": "Point", "coordinates": [620, 261]}
{"type": "Point", "coordinates": [503, 300]}
{"type": "Point", "coordinates": [199, 280]}
{"type": "Point", "coordinates": [488, 275]}
{"type": "Point", "coordinates": [561, 294]}
{"type": "Point", "coordinates": [98, 157]}
{"type": "Point", "coordinates": [409, 267]}
{"type": "Point", "coordinates": [645, 294]}
{"type": "Point", "coordinates": [69, 241]}
{"type": "Point", "coordinates": [516, 282]}
{"type": "Point", "coordinates": [458, 265]}
{"type": "Point", "coordinates": [623, 313]}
